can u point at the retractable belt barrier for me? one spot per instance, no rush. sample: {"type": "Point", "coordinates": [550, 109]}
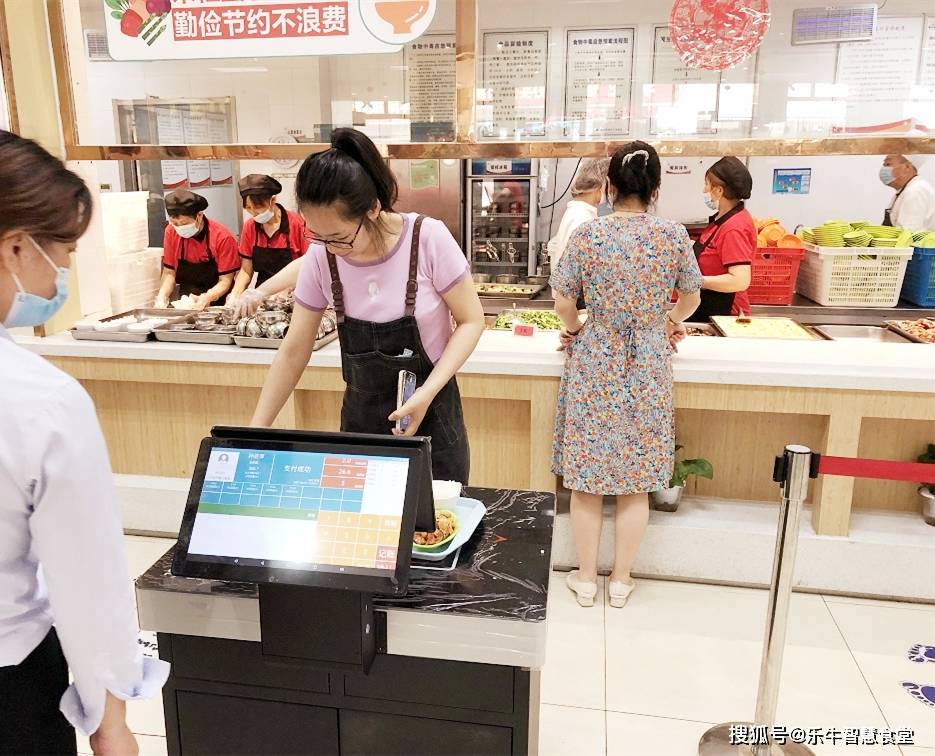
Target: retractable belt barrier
{"type": "Point", "coordinates": [792, 471]}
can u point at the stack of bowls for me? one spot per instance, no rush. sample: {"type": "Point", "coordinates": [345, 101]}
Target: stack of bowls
{"type": "Point", "coordinates": [857, 239]}
{"type": "Point", "coordinates": [808, 234]}
{"type": "Point", "coordinates": [831, 234]}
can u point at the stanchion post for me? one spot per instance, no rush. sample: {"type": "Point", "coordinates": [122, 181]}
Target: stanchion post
{"type": "Point", "coordinates": [792, 471]}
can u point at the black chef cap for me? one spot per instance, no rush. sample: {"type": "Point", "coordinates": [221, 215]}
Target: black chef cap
{"type": "Point", "coordinates": [258, 184]}
{"type": "Point", "coordinates": [184, 202]}
{"type": "Point", "coordinates": [733, 175]}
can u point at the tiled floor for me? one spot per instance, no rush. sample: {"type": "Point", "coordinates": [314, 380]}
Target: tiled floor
{"type": "Point", "coordinates": [650, 679]}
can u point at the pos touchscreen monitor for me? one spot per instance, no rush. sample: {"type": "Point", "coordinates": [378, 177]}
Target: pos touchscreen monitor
{"type": "Point", "coordinates": [292, 508]}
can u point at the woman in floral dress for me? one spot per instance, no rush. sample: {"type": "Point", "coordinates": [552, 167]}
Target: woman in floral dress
{"type": "Point", "coordinates": [614, 429]}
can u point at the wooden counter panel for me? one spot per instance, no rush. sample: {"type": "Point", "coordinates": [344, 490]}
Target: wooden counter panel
{"type": "Point", "coordinates": [156, 428]}
{"type": "Point", "coordinates": [742, 446]}
{"type": "Point", "coordinates": [498, 432]}
{"type": "Point", "coordinates": [891, 439]}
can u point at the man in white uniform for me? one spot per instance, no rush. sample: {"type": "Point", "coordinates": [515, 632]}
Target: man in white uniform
{"type": "Point", "coordinates": [913, 207]}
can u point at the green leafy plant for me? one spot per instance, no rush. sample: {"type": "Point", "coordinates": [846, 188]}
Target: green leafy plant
{"type": "Point", "coordinates": [685, 467]}
{"type": "Point", "coordinates": [928, 456]}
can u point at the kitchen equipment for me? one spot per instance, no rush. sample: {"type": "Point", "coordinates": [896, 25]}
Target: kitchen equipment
{"type": "Point", "coordinates": [899, 327]}
{"type": "Point", "coordinates": [501, 216]}
{"type": "Point", "coordinates": [537, 280]}
{"type": "Point", "coordinates": [507, 278]}
{"type": "Point", "coordinates": [139, 314]}
{"type": "Point", "coordinates": [860, 333]}
{"type": "Point", "coordinates": [480, 277]}
{"type": "Point", "coordinates": [763, 328]}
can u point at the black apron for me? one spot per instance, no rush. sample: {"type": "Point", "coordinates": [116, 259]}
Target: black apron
{"type": "Point", "coordinates": [196, 278]}
{"type": "Point", "coordinates": [372, 354]}
{"type": "Point", "coordinates": [887, 214]}
{"type": "Point", "coordinates": [268, 261]}
{"type": "Point", "coordinates": [714, 302]}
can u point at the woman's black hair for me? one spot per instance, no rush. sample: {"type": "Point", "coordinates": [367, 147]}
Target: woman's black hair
{"type": "Point", "coordinates": [352, 173]}
{"type": "Point", "coordinates": [731, 174]}
{"type": "Point", "coordinates": [635, 171]}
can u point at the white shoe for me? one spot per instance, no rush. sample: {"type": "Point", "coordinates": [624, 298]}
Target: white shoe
{"type": "Point", "coordinates": [618, 592]}
{"type": "Point", "coordinates": [584, 591]}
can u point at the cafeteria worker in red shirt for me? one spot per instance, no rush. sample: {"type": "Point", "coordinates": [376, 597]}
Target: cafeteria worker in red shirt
{"type": "Point", "coordinates": [726, 247]}
{"type": "Point", "coordinates": [199, 254]}
{"type": "Point", "coordinates": [272, 239]}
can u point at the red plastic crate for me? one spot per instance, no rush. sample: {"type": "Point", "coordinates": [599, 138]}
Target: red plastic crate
{"type": "Point", "coordinates": [773, 274]}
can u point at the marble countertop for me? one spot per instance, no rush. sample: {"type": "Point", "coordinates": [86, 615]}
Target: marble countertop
{"type": "Point", "coordinates": [490, 608]}
{"type": "Point", "coordinates": [866, 365]}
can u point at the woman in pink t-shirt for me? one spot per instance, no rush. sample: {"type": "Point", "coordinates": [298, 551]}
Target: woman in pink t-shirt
{"type": "Point", "coordinates": [395, 280]}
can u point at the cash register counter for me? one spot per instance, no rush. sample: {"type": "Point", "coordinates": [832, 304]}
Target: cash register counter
{"type": "Point", "coordinates": [460, 674]}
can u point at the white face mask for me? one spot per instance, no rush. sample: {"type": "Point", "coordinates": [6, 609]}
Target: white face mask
{"type": "Point", "coordinates": [187, 231]}
{"type": "Point", "coordinates": [265, 217]}
{"type": "Point", "coordinates": [710, 202]}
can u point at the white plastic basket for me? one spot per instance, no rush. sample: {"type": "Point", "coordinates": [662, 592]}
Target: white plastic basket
{"type": "Point", "coordinates": [125, 221]}
{"type": "Point", "coordinates": [134, 279]}
{"type": "Point", "coordinates": [853, 276]}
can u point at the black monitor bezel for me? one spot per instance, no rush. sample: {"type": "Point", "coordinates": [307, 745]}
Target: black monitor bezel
{"type": "Point", "coordinates": [425, 513]}
{"type": "Point", "coordinates": [393, 584]}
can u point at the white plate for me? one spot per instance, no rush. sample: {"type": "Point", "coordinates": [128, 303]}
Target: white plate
{"type": "Point", "coordinates": [470, 513]}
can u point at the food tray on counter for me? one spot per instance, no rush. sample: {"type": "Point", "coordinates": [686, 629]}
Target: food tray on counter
{"type": "Point", "coordinates": [764, 328]}
{"type": "Point", "coordinates": [508, 291]}
{"type": "Point", "coordinates": [701, 329]}
{"type": "Point", "coordinates": [876, 333]}
{"type": "Point", "coordinates": [141, 314]}
{"type": "Point", "coordinates": [261, 342]}
{"type": "Point", "coordinates": [544, 320]}
{"type": "Point", "coordinates": [898, 326]}
{"type": "Point", "coordinates": [191, 336]}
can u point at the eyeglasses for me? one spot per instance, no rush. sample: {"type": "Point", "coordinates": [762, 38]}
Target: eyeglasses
{"type": "Point", "coordinates": [337, 243]}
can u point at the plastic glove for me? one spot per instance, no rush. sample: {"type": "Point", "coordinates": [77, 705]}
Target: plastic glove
{"type": "Point", "coordinates": [248, 303]}
{"type": "Point", "coordinates": [161, 303]}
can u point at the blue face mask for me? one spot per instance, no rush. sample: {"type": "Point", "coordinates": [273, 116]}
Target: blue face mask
{"type": "Point", "coordinates": [886, 175]}
{"type": "Point", "coordinates": [30, 310]}
{"type": "Point", "coordinates": [710, 202]}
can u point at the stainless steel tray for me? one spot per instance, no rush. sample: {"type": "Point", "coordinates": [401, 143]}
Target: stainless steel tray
{"type": "Point", "coordinates": [142, 313]}
{"type": "Point", "coordinates": [894, 326]}
{"type": "Point", "coordinates": [860, 333]}
{"type": "Point", "coordinates": [704, 329]}
{"type": "Point", "coordinates": [528, 291]}
{"type": "Point", "coordinates": [260, 342]}
{"type": "Point", "coordinates": [813, 334]}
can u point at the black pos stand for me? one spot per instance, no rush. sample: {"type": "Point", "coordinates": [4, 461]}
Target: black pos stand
{"type": "Point", "coordinates": [323, 617]}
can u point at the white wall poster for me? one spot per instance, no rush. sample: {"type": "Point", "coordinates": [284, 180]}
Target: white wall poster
{"type": "Point", "coordinates": [431, 88]}
{"type": "Point", "coordinates": [682, 100]}
{"type": "Point", "coordinates": [598, 81]}
{"type": "Point", "coordinates": [511, 102]}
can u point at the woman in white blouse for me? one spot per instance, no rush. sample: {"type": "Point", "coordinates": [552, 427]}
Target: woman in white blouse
{"type": "Point", "coordinates": [58, 505]}
{"type": "Point", "coordinates": [587, 192]}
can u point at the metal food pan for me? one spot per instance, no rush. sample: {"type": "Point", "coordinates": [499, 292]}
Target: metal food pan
{"type": "Point", "coordinates": [894, 326]}
{"type": "Point", "coordinates": [815, 335]}
{"type": "Point", "coordinates": [261, 342]}
{"type": "Point", "coordinates": [707, 329]}
{"type": "Point", "coordinates": [528, 291]}
{"type": "Point", "coordinates": [860, 333]}
{"type": "Point", "coordinates": [142, 313]}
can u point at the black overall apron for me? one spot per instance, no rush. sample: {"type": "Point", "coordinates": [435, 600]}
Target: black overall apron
{"type": "Point", "coordinates": [372, 354]}
{"type": "Point", "coordinates": [196, 278]}
{"type": "Point", "coordinates": [714, 302]}
{"type": "Point", "coordinates": [888, 213]}
{"type": "Point", "coordinates": [268, 261]}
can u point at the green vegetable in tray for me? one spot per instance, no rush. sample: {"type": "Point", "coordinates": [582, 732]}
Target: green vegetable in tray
{"type": "Point", "coordinates": [542, 319]}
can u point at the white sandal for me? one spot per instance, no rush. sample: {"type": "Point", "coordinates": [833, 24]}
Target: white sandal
{"type": "Point", "coordinates": [584, 591]}
{"type": "Point", "coordinates": [619, 592]}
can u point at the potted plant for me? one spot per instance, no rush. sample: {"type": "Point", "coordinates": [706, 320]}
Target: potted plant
{"type": "Point", "coordinates": [667, 500]}
{"type": "Point", "coordinates": [927, 490]}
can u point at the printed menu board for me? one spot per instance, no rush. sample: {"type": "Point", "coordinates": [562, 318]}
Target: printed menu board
{"type": "Point", "coordinates": [879, 74]}
{"type": "Point", "coordinates": [511, 102]}
{"type": "Point", "coordinates": [682, 100]}
{"type": "Point", "coordinates": [598, 81]}
{"type": "Point", "coordinates": [196, 128]}
{"type": "Point", "coordinates": [431, 88]}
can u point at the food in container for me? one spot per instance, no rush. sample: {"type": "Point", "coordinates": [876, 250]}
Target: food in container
{"type": "Point", "coordinates": [762, 328]}
{"type": "Point", "coordinates": [922, 329]}
{"type": "Point", "coordinates": [545, 320]}
{"type": "Point", "coordinates": [446, 527]}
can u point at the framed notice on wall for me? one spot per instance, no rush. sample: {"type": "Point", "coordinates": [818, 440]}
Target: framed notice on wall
{"type": "Point", "coordinates": [682, 100]}
{"type": "Point", "coordinates": [877, 77]}
{"type": "Point", "coordinates": [598, 82]}
{"type": "Point", "coordinates": [512, 100]}
{"type": "Point", "coordinates": [430, 88]}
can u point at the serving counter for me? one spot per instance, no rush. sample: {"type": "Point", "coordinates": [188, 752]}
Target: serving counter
{"type": "Point", "coordinates": [738, 403]}
{"type": "Point", "coordinates": [458, 671]}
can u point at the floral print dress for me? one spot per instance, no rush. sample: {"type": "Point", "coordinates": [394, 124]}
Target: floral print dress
{"type": "Point", "coordinates": [614, 426]}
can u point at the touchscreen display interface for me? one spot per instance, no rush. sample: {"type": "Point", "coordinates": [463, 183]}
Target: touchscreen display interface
{"type": "Point", "coordinates": [300, 510]}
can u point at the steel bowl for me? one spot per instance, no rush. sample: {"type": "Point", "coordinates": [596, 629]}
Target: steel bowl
{"type": "Point", "coordinates": [481, 277]}
{"type": "Point", "coordinates": [507, 278]}
{"type": "Point", "coordinates": [538, 280]}
{"type": "Point", "coordinates": [269, 317]}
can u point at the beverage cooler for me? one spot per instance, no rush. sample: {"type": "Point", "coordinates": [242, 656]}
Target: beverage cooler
{"type": "Point", "coordinates": [501, 217]}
